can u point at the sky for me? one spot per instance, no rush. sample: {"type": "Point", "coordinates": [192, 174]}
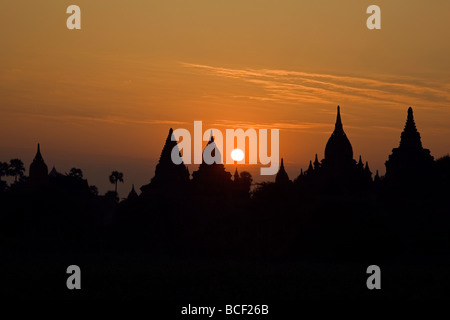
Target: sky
{"type": "Point", "coordinates": [104, 97]}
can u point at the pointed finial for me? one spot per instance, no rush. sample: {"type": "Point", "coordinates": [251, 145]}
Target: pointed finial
{"type": "Point", "coordinates": [410, 114]}
{"type": "Point", "coordinates": [38, 156]}
{"type": "Point", "coordinates": [316, 163]}
{"type": "Point", "coordinates": [282, 165]}
{"type": "Point", "coordinates": [236, 175]}
{"type": "Point", "coordinates": [132, 187]}
{"type": "Point", "coordinates": [338, 125]}
{"type": "Point", "coordinates": [170, 136]}
{"type": "Point", "coordinates": [211, 139]}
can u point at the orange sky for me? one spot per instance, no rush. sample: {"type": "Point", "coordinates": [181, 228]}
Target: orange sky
{"type": "Point", "coordinates": [103, 98]}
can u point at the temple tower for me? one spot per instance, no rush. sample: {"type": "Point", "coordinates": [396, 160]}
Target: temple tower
{"type": "Point", "coordinates": [410, 158]}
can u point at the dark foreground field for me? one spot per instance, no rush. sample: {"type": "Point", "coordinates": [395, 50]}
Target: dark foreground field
{"type": "Point", "coordinates": [137, 276]}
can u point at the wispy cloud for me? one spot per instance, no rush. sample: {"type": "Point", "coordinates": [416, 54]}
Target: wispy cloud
{"type": "Point", "coordinates": [286, 125]}
{"type": "Point", "coordinates": [286, 86]}
{"type": "Point", "coordinates": [108, 119]}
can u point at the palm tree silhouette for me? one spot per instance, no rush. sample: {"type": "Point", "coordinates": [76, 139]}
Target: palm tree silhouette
{"type": "Point", "coordinates": [3, 169]}
{"type": "Point", "coordinates": [77, 173]}
{"type": "Point", "coordinates": [16, 168]}
{"type": "Point", "coordinates": [116, 177]}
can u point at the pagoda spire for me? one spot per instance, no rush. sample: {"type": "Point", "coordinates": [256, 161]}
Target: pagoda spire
{"type": "Point", "coordinates": [133, 194]}
{"type": "Point", "coordinates": [38, 168]}
{"type": "Point", "coordinates": [377, 177]}
{"type": "Point", "coordinates": [168, 175]}
{"type": "Point", "coordinates": [360, 164]}
{"type": "Point", "coordinates": [282, 176]}
{"type": "Point", "coordinates": [410, 137]}
{"type": "Point", "coordinates": [410, 158]}
{"type": "Point", "coordinates": [338, 151]}
{"type": "Point", "coordinates": [316, 163]}
{"type": "Point", "coordinates": [236, 175]}
{"type": "Point", "coordinates": [38, 156]}
{"type": "Point", "coordinates": [338, 126]}
{"type": "Point", "coordinates": [166, 153]}
{"type": "Point", "coordinates": [310, 168]}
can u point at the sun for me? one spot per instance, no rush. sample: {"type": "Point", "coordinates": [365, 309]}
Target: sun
{"type": "Point", "coordinates": [237, 155]}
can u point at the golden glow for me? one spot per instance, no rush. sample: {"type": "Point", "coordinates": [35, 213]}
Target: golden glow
{"type": "Point", "coordinates": [237, 155]}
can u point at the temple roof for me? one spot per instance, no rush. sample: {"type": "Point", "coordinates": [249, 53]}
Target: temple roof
{"type": "Point", "coordinates": [282, 176]}
{"type": "Point", "coordinates": [410, 137]}
{"type": "Point", "coordinates": [316, 163]}
{"type": "Point", "coordinates": [54, 173]}
{"type": "Point", "coordinates": [236, 175]}
{"type": "Point", "coordinates": [410, 156]}
{"type": "Point", "coordinates": [133, 194]}
{"type": "Point", "coordinates": [167, 173]}
{"type": "Point", "coordinates": [38, 168]}
{"type": "Point", "coordinates": [214, 173]}
{"type": "Point", "coordinates": [338, 148]}
{"type": "Point", "coordinates": [38, 156]}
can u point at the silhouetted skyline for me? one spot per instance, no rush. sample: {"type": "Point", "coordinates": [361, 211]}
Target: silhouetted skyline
{"type": "Point", "coordinates": [107, 96]}
{"type": "Point", "coordinates": [338, 163]}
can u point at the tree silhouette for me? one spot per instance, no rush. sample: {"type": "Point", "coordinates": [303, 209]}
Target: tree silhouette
{"type": "Point", "coordinates": [93, 190]}
{"type": "Point", "coordinates": [3, 173]}
{"type": "Point", "coordinates": [76, 173]}
{"type": "Point", "coordinates": [16, 168]}
{"type": "Point", "coordinates": [246, 180]}
{"type": "Point", "coordinates": [116, 177]}
{"type": "Point", "coordinates": [3, 169]}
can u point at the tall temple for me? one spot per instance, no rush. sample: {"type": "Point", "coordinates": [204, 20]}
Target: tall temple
{"type": "Point", "coordinates": [338, 167]}
{"type": "Point", "coordinates": [38, 169]}
{"type": "Point", "coordinates": [169, 177]}
{"type": "Point", "coordinates": [338, 150]}
{"type": "Point", "coordinates": [211, 177]}
{"type": "Point", "coordinates": [132, 196]}
{"type": "Point", "coordinates": [410, 158]}
{"type": "Point", "coordinates": [282, 176]}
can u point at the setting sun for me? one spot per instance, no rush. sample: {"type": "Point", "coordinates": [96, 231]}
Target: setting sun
{"type": "Point", "coordinates": [237, 155]}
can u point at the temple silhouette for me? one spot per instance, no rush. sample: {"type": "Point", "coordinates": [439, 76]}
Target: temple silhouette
{"type": "Point", "coordinates": [184, 229]}
{"type": "Point", "coordinates": [338, 171]}
{"type": "Point", "coordinates": [38, 169]}
{"type": "Point", "coordinates": [410, 159]}
{"type": "Point", "coordinates": [169, 177]}
{"type": "Point", "coordinates": [211, 178]}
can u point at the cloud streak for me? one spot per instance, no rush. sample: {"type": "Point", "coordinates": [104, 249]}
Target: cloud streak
{"type": "Point", "coordinates": [115, 120]}
{"type": "Point", "coordinates": [284, 86]}
{"type": "Point", "coordinates": [286, 125]}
